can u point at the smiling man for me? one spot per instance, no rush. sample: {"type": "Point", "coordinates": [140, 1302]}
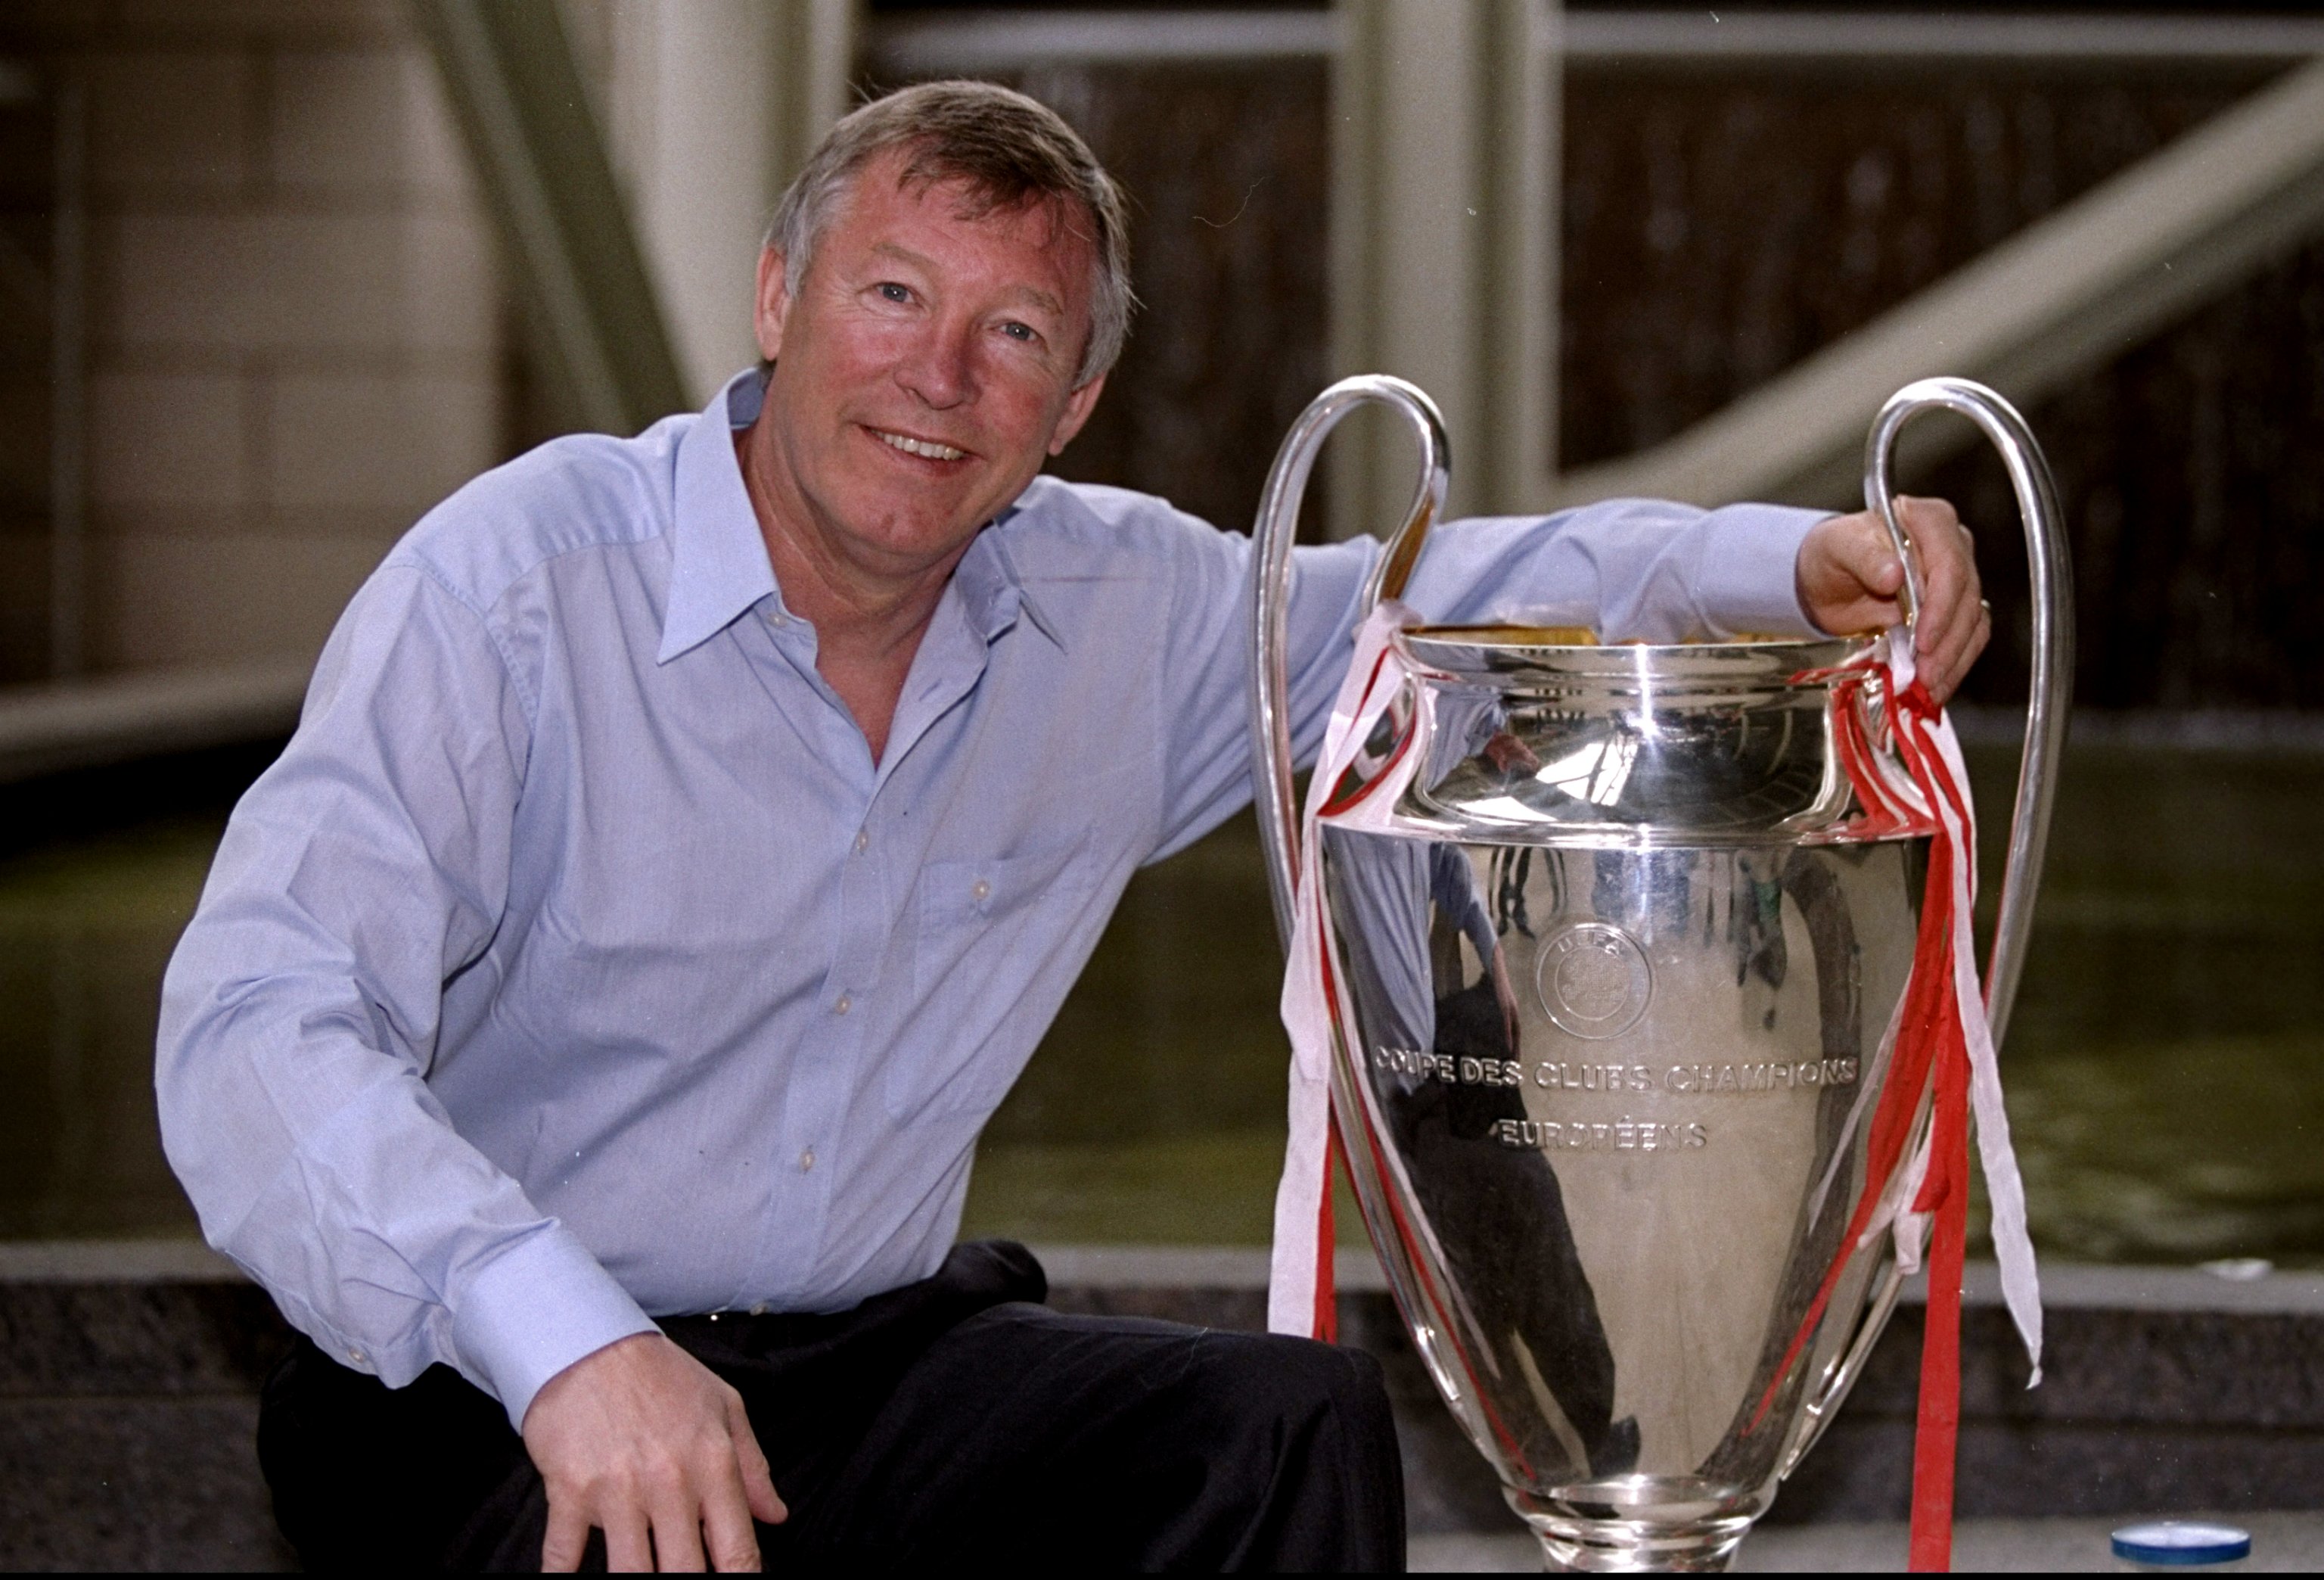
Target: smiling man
{"type": "Point", "coordinates": [587, 1025]}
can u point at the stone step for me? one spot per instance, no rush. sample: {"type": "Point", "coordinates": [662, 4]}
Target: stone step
{"type": "Point", "coordinates": [129, 1375]}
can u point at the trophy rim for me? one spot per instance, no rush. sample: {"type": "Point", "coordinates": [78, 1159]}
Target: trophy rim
{"type": "Point", "coordinates": [1514, 654]}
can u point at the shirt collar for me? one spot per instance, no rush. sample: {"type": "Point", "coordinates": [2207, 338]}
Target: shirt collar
{"type": "Point", "coordinates": [718, 563]}
{"type": "Point", "coordinates": [992, 592]}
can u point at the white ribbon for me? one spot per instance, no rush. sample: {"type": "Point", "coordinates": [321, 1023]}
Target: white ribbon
{"type": "Point", "coordinates": [2013, 1247]}
{"type": "Point", "coordinates": [1375, 676]}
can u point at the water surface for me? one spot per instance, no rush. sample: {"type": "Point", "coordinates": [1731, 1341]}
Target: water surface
{"type": "Point", "coordinates": [2165, 1070]}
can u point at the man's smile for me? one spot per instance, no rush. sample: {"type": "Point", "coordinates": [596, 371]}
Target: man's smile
{"type": "Point", "coordinates": [927, 447]}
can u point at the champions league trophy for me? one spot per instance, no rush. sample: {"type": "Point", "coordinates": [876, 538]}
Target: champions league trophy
{"type": "Point", "coordinates": [1616, 960]}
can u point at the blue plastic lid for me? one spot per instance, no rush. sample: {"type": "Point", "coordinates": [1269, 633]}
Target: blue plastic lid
{"type": "Point", "coordinates": [2182, 1541]}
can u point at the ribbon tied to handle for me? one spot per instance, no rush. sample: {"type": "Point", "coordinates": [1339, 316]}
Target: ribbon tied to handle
{"type": "Point", "coordinates": [1939, 1043]}
{"type": "Point", "coordinates": [1315, 1012]}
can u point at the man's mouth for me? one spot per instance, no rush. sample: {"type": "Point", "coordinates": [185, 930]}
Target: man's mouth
{"type": "Point", "coordinates": [927, 447]}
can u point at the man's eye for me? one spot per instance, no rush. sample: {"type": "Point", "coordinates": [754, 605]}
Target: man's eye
{"type": "Point", "coordinates": [892, 292]}
{"type": "Point", "coordinates": [1016, 331]}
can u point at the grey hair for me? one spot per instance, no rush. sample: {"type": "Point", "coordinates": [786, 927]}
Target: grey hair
{"type": "Point", "coordinates": [1010, 152]}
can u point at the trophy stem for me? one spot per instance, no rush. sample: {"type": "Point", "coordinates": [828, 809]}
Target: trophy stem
{"type": "Point", "coordinates": [1623, 1547]}
{"type": "Point", "coordinates": [1591, 1535]}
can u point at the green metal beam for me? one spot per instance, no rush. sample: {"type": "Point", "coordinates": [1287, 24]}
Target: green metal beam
{"type": "Point", "coordinates": [591, 310]}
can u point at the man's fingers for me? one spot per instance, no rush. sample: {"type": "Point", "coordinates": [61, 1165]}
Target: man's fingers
{"type": "Point", "coordinates": [677, 1532]}
{"type": "Point", "coordinates": [1871, 574]}
{"type": "Point", "coordinates": [1945, 669]}
{"type": "Point", "coordinates": [1962, 641]}
{"type": "Point", "coordinates": [567, 1537]}
{"type": "Point", "coordinates": [1947, 572]}
{"type": "Point", "coordinates": [1947, 632]}
{"type": "Point", "coordinates": [1874, 559]}
{"type": "Point", "coordinates": [1848, 574]}
{"type": "Point", "coordinates": [757, 1481]}
{"type": "Point", "coordinates": [628, 1548]}
{"type": "Point", "coordinates": [730, 1499]}
{"type": "Point", "coordinates": [1979, 632]}
{"type": "Point", "coordinates": [727, 1525]}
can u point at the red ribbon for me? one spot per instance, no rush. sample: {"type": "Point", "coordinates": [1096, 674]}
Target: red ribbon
{"type": "Point", "coordinates": [1944, 1191]}
{"type": "Point", "coordinates": [1932, 1047]}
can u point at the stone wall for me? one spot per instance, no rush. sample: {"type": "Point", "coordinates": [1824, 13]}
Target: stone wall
{"type": "Point", "coordinates": [295, 329]}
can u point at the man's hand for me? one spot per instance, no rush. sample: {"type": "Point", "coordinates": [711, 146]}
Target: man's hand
{"type": "Point", "coordinates": [1848, 579]}
{"type": "Point", "coordinates": [640, 1440]}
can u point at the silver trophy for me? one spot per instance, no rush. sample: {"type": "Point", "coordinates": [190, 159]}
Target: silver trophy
{"type": "Point", "coordinates": [1620, 973]}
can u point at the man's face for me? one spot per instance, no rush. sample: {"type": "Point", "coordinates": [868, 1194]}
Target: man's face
{"type": "Point", "coordinates": [923, 372]}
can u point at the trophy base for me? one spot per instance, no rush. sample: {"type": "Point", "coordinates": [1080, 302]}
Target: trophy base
{"type": "Point", "coordinates": [1637, 1524]}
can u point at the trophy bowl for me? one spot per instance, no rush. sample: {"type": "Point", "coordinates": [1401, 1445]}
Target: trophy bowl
{"type": "Point", "coordinates": [1617, 956]}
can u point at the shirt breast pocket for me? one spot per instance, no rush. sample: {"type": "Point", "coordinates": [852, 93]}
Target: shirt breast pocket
{"type": "Point", "coordinates": [989, 930]}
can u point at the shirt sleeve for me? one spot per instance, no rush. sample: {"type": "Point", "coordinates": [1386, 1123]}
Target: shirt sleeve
{"type": "Point", "coordinates": [1452, 889]}
{"type": "Point", "coordinates": [299, 1015]}
{"type": "Point", "coordinates": [1633, 569]}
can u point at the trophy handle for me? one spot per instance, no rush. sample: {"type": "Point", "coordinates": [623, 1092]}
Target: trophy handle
{"type": "Point", "coordinates": [2053, 642]}
{"type": "Point", "coordinates": [2037, 773]}
{"type": "Point", "coordinates": [1819, 1411]}
{"type": "Point", "coordinates": [1270, 595]}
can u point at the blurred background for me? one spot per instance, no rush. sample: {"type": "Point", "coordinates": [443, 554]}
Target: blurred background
{"type": "Point", "coordinates": [276, 275]}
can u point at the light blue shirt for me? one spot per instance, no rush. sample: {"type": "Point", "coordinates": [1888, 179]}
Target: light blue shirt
{"type": "Point", "coordinates": [576, 962]}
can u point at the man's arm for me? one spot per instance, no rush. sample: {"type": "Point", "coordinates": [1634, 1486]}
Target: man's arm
{"type": "Point", "coordinates": [301, 1010]}
{"type": "Point", "coordinates": [1630, 568]}
{"type": "Point", "coordinates": [299, 1017]}
{"type": "Point", "coordinates": [1633, 569]}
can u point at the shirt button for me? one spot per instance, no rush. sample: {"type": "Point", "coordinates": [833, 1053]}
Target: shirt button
{"type": "Point", "coordinates": [844, 1004]}
{"type": "Point", "coordinates": [778, 620]}
{"type": "Point", "coordinates": [807, 1159]}
{"type": "Point", "coordinates": [356, 1356]}
{"type": "Point", "coordinates": [863, 841]}
{"type": "Point", "coordinates": [984, 891]}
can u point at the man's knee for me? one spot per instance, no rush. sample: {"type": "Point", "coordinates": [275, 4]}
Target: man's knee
{"type": "Point", "coordinates": [1295, 1370]}
{"type": "Point", "coordinates": [1314, 1442]}
{"type": "Point", "coordinates": [1297, 1385]}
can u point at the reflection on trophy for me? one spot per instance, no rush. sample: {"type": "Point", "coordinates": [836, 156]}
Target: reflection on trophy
{"type": "Point", "coordinates": [1617, 948]}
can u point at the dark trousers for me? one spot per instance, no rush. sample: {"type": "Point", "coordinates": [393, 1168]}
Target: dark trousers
{"type": "Point", "coordinates": [955, 1418]}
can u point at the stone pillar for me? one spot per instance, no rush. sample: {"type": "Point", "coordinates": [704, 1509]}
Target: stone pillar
{"type": "Point", "coordinates": [712, 108]}
{"type": "Point", "coordinates": [1444, 244]}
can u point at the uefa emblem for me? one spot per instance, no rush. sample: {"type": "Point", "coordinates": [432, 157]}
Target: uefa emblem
{"type": "Point", "coordinates": [1593, 980]}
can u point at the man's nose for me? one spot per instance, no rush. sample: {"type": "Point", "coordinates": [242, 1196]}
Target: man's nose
{"type": "Point", "coordinates": [938, 368]}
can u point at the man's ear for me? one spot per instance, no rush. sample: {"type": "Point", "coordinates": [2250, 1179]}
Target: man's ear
{"type": "Point", "coordinates": [773, 304]}
{"type": "Point", "coordinates": [1078, 406]}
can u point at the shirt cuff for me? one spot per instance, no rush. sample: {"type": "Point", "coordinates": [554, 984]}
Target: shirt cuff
{"type": "Point", "coordinates": [1750, 581]}
{"type": "Point", "coordinates": [535, 1309]}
